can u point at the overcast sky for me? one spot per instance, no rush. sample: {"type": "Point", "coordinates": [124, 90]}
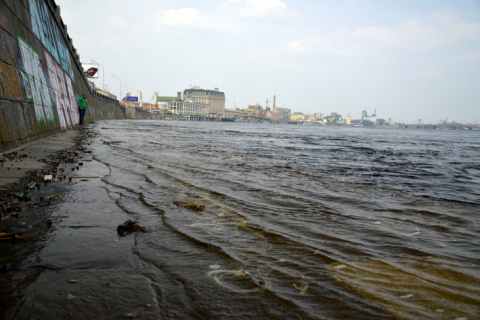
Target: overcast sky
{"type": "Point", "coordinates": [409, 60]}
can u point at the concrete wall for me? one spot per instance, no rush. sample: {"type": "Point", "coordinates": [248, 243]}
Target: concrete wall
{"type": "Point", "coordinates": [41, 77]}
{"type": "Point", "coordinates": [137, 113]}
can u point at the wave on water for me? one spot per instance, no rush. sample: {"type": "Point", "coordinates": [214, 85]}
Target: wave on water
{"type": "Point", "coordinates": [304, 222]}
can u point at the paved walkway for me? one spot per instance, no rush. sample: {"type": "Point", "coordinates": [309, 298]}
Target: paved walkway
{"type": "Point", "coordinates": [12, 171]}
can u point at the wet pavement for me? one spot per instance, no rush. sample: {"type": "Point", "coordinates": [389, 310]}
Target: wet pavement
{"type": "Point", "coordinates": [13, 170]}
{"type": "Point", "coordinates": [75, 263]}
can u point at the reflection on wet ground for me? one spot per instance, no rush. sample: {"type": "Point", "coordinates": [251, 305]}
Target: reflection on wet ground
{"type": "Point", "coordinates": [298, 223]}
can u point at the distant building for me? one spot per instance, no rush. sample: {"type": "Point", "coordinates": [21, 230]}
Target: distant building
{"type": "Point", "coordinates": [334, 118]}
{"type": "Point", "coordinates": [318, 116]}
{"type": "Point", "coordinates": [272, 115]}
{"type": "Point", "coordinates": [283, 114]}
{"type": "Point", "coordinates": [146, 106]}
{"type": "Point", "coordinates": [298, 116]}
{"type": "Point", "coordinates": [349, 120]}
{"type": "Point", "coordinates": [254, 112]}
{"type": "Point", "coordinates": [215, 99]}
{"type": "Point", "coordinates": [233, 112]}
{"type": "Point", "coordinates": [186, 107]}
{"type": "Point", "coordinates": [165, 99]}
{"type": "Point", "coordinates": [369, 120]}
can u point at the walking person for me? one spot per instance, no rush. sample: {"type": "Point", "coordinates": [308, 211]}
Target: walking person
{"type": "Point", "coordinates": [82, 107]}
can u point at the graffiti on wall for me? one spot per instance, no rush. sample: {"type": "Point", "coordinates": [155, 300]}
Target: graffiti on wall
{"type": "Point", "coordinates": [10, 85]}
{"type": "Point", "coordinates": [36, 65]}
{"type": "Point", "coordinates": [74, 116]}
{"type": "Point", "coordinates": [35, 83]}
{"type": "Point", "coordinates": [59, 90]}
{"type": "Point", "coordinates": [50, 35]}
{"type": "Point", "coordinates": [55, 74]}
{"type": "Point", "coordinates": [3, 88]}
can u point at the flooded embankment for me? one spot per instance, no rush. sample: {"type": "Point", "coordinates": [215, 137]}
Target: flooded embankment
{"type": "Point", "coordinates": [296, 222]}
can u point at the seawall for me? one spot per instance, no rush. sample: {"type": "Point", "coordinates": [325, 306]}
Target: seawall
{"type": "Point", "coordinates": [41, 77]}
{"type": "Point", "coordinates": [137, 113]}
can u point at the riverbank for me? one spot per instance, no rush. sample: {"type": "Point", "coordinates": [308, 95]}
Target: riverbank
{"type": "Point", "coordinates": [297, 222]}
{"type": "Point", "coordinates": [27, 157]}
{"type": "Point", "coordinates": [73, 263]}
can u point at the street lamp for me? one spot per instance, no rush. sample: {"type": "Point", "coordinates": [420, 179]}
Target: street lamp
{"type": "Point", "coordinates": [120, 98]}
{"type": "Point", "coordinates": [103, 72]}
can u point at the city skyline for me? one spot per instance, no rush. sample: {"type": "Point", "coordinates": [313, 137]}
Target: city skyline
{"type": "Point", "coordinates": [407, 60]}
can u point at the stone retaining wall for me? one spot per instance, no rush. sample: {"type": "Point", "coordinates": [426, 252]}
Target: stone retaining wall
{"type": "Point", "coordinates": [137, 113]}
{"type": "Point", "coordinates": [41, 77]}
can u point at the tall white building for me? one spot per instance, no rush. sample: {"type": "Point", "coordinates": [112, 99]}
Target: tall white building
{"type": "Point", "coordinates": [215, 99]}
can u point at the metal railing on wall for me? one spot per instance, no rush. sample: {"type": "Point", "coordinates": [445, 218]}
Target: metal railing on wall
{"type": "Point", "coordinates": [104, 97]}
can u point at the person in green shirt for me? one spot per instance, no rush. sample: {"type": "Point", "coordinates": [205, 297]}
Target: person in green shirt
{"type": "Point", "coordinates": [82, 107]}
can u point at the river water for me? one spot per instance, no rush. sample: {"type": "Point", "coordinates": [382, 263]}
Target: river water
{"type": "Point", "coordinates": [300, 222]}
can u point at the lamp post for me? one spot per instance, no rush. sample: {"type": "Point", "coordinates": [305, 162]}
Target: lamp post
{"type": "Point", "coordinates": [120, 98]}
{"type": "Point", "coordinates": [103, 72]}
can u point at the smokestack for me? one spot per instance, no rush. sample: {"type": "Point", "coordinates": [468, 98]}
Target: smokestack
{"type": "Point", "coordinates": [274, 101]}
{"type": "Point", "coordinates": [179, 95]}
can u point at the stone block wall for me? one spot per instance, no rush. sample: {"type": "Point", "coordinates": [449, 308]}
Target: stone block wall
{"type": "Point", "coordinates": [41, 77]}
{"type": "Point", "coordinates": [137, 113]}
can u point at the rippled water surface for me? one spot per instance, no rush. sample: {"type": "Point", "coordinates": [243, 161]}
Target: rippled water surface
{"type": "Point", "coordinates": [301, 222]}
{"type": "Point", "coordinates": [305, 222]}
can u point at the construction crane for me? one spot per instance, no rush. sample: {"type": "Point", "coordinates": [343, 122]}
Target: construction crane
{"type": "Point", "coordinates": [154, 100]}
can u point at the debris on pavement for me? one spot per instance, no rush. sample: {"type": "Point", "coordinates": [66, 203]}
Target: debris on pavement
{"type": "Point", "coordinates": [16, 236]}
{"type": "Point", "coordinates": [20, 195]}
{"type": "Point", "coordinates": [112, 142]}
{"type": "Point", "coordinates": [130, 226]}
{"type": "Point", "coordinates": [137, 313]}
{"type": "Point", "coordinates": [53, 197]}
{"type": "Point", "coordinates": [4, 234]}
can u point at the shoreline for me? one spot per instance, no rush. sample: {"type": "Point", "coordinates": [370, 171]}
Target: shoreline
{"type": "Point", "coordinates": [27, 157]}
{"type": "Point", "coordinates": [28, 169]}
{"type": "Point", "coordinates": [67, 259]}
